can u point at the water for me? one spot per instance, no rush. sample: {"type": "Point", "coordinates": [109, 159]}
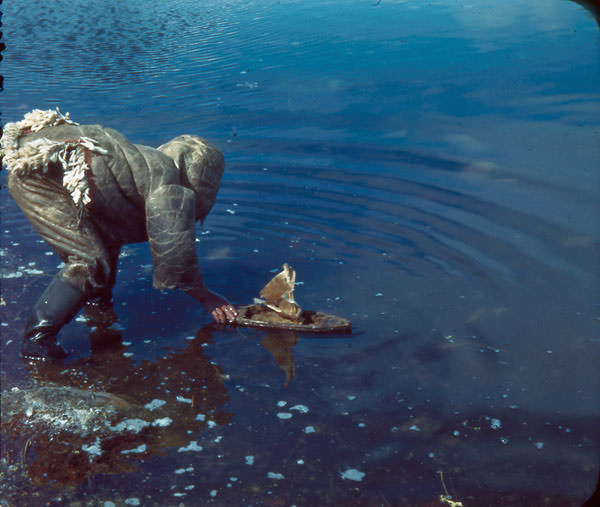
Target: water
{"type": "Point", "coordinates": [429, 170]}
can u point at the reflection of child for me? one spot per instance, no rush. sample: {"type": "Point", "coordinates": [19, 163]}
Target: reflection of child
{"type": "Point", "coordinates": [87, 190]}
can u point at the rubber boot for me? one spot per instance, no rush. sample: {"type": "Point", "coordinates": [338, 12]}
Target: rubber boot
{"type": "Point", "coordinates": [59, 303]}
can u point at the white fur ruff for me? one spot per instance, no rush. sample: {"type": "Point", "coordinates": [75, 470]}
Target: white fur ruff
{"type": "Point", "coordinates": [37, 154]}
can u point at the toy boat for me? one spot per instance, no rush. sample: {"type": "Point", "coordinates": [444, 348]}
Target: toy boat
{"type": "Point", "coordinates": [278, 310]}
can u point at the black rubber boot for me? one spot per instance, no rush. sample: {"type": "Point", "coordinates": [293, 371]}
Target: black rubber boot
{"type": "Point", "coordinates": [59, 303]}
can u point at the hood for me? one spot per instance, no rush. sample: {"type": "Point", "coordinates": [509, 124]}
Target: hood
{"type": "Point", "coordinates": [201, 165]}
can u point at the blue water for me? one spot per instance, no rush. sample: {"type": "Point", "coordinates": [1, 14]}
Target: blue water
{"type": "Point", "coordinates": [429, 170]}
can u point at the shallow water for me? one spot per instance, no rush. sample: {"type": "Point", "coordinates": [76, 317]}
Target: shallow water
{"type": "Point", "coordinates": [429, 170]}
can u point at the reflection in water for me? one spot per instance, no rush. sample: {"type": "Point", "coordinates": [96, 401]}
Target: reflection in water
{"type": "Point", "coordinates": [280, 344]}
{"type": "Point", "coordinates": [105, 413]}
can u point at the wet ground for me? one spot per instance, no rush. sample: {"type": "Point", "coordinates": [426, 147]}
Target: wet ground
{"type": "Point", "coordinates": [430, 172]}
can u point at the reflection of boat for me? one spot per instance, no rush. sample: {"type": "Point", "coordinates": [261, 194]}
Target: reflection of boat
{"type": "Point", "coordinates": [258, 315]}
{"type": "Point", "coordinates": [278, 309]}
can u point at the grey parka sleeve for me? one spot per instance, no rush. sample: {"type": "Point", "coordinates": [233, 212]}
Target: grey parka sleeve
{"type": "Point", "coordinates": [170, 224]}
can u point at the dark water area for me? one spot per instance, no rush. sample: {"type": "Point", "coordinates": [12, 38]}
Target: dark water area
{"type": "Point", "coordinates": [430, 170]}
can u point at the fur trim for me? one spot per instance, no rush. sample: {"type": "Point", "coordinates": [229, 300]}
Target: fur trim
{"type": "Point", "coordinates": [37, 154]}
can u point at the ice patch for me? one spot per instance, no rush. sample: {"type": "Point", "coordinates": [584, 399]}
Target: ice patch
{"type": "Point", "coordinates": [352, 474]}
{"type": "Point", "coordinates": [135, 425]}
{"type": "Point", "coordinates": [164, 422]}
{"type": "Point", "coordinates": [309, 429]}
{"type": "Point", "coordinates": [132, 501]}
{"type": "Point", "coordinates": [213, 493]}
{"type": "Point", "coordinates": [184, 400]}
{"type": "Point", "coordinates": [495, 424]}
{"type": "Point", "coordinates": [14, 274]}
{"type": "Point", "coordinates": [281, 403]}
{"type": "Point", "coordinates": [32, 271]}
{"type": "Point", "coordinates": [539, 445]}
{"type": "Point", "coordinates": [137, 450]}
{"type": "Point", "coordinates": [414, 427]}
{"type": "Point", "coordinates": [249, 460]}
{"type": "Point", "coordinates": [193, 446]}
{"type": "Point", "coordinates": [200, 417]}
{"type": "Point", "coordinates": [94, 449]}
{"type": "Point", "coordinates": [284, 415]}
{"type": "Point", "coordinates": [276, 476]}
{"type": "Point", "coordinates": [303, 409]}
{"type": "Point", "coordinates": [154, 404]}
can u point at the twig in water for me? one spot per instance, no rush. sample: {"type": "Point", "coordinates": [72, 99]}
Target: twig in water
{"type": "Point", "coordinates": [446, 497]}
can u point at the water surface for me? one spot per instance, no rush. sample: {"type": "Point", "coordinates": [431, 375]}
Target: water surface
{"type": "Point", "coordinates": [429, 170]}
